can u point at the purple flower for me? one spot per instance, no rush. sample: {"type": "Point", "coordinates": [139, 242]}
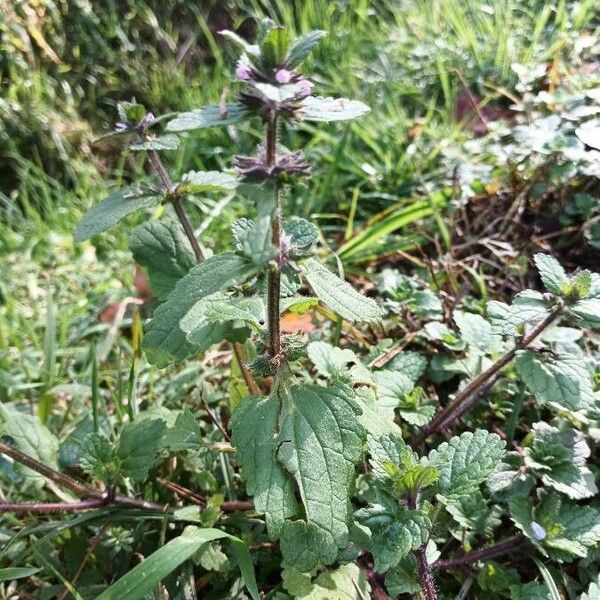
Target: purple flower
{"type": "Point", "coordinates": [283, 76]}
{"type": "Point", "coordinates": [539, 533]}
{"type": "Point", "coordinates": [243, 72]}
{"type": "Point", "coordinates": [120, 127]}
{"type": "Point", "coordinates": [148, 119]}
{"type": "Point", "coordinates": [305, 87]}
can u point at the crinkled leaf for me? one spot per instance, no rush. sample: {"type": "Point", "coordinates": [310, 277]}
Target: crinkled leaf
{"type": "Point", "coordinates": [98, 457]}
{"type": "Point", "coordinates": [330, 361]}
{"type": "Point", "coordinates": [184, 435]}
{"type": "Point", "coordinates": [254, 240]}
{"type": "Point", "coordinates": [319, 444]}
{"type": "Point", "coordinates": [392, 388]}
{"type": "Point", "coordinates": [528, 307]}
{"type": "Point", "coordinates": [304, 235]}
{"type": "Point", "coordinates": [403, 579]}
{"type": "Point", "coordinates": [477, 332]}
{"type": "Point", "coordinates": [395, 542]}
{"type": "Point", "coordinates": [250, 309]}
{"type": "Point", "coordinates": [372, 418]}
{"type": "Point", "coordinates": [110, 211]}
{"type": "Point", "coordinates": [339, 295]}
{"type": "Point", "coordinates": [305, 545]}
{"type": "Point", "coordinates": [315, 108]}
{"type": "Point", "coordinates": [138, 445]}
{"type": "Point", "coordinates": [473, 513]}
{"type": "Point", "coordinates": [553, 275]}
{"type": "Point", "coordinates": [347, 582]}
{"type": "Point", "coordinates": [466, 461]}
{"type": "Point", "coordinates": [529, 591]}
{"type": "Point", "coordinates": [209, 116]}
{"type": "Point", "coordinates": [164, 339]}
{"type": "Point", "coordinates": [302, 47]}
{"type": "Point", "coordinates": [254, 429]}
{"type": "Point", "coordinates": [274, 47]}
{"type": "Point", "coordinates": [587, 312]}
{"type": "Point", "coordinates": [163, 249]}
{"type": "Point", "coordinates": [410, 364]}
{"type": "Point", "coordinates": [30, 436]}
{"type": "Point", "coordinates": [563, 382]}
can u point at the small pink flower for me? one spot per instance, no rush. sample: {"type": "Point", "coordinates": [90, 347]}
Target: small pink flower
{"type": "Point", "coordinates": [120, 127]}
{"type": "Point", "coordinates": [243, 72]}
{"type": "Point", "coordinates": [305, 87]}
{"type": "Point", "coordinates": [283, 76]}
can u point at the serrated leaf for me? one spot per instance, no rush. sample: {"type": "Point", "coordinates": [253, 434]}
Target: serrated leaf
{"type": "Point", "coordinates": [304, 235]}
{"type": "Point", "coordinates": [138, 445]}
{"type": "Point", "coordinates": [304, 546]}
{"type": "Point", "coordinates": [466, 461]}
{"type": "Point", "coordinates": [528, 307]}
{"type": "Point", "coordinates": [111, 210]}
{"type": "Point", "coordinates": [339, 295]}
{"type": "Point", "coordinates": [553, 275]}
{"type": "Point", "coordinates": [163, 142]}
{"type": "Point", "coordinates": [559, 456]}
{"type": "Point", "coordinates": [137, 583]}
{"type": "Point", "coordinates": [315, 108]}
{"type": "Point", "coordinates": [184, 435]}
{"type": "Point", "coordinates": [371, 418]}
{"type": "Point", "coordinates": [473, 513]}
{"type": "Point", "coordinates": [163, 249]}
{"type": "Point", "coordinates": [330, 361]}
{"type": "Point", "coordinates": [410, 364]}
{"type": "Point", "coordinates": [274, 47]}
{"type": "Point", "coordinates": [198, 182]}
{"type": "Point", "coordinates": [30, 436]}
{"type": "Point", "coordinates": [395, 542]}
{"type": "Point", "coordinates": [278, 93]}
{"type": "Point", "coordinates": [250, 309]}
{"type": "Point", "coordinates": [347, 582]}
{"type": "Point", "coordinates": [587, 312]}
{"type": "Point", "coordinates": [392, 388]}
{"type": "Point", "coordinates": [402, 579]}
{"type": "Point", "coordinates": [209, 116]}
{"type": "Point", "coordinates": [303, 46]}
{"type": "Point", "coordinates": [254, 240]}
{"type": "Point", "coordinates": [563, 382]}
{"type": "Point", "coordinates": [529, 591]}
{"type": "Point", "coordinates": [164, 339]}
{"type": "Point", "coordinates": [477, 333]}
{"type": "Point", "coordinates": [254, 427]}
{"type": "Point", "coordinates": [319, 444]}
{"type": "Point", "coordinates": [98, 457]}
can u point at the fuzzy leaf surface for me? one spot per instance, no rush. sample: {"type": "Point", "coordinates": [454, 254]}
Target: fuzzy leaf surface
{"type": "Point", "coordinates": [209, 116]}
{"type": "Point", "coordinates": [466, 461]}
{"type": "Point", "coordinates": [138, 445]}
{"type": "Point", "coordinates": [553, 275]}
{"type": "Point", "coordinates": [162, 248]}
{"type": "Point", "coordinates": [164, 339]}
{"type": "Point", "coordinates": [111, 210]}
{"type": "Point", "coordinates": [339, 295]}
{"type": "Point", "coordinates": [315, 108]}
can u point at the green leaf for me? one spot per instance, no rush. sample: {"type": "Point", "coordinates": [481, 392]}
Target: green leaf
{"type": "Point", "coordinates": [11, 573]}
{"type": "Point", "coordinates": [164, 339]}
{"type": "Point", "coordinates": [319, 444]}
{"type": "Point", "coordinates": [553, 275]}
{"type": "Point", "coordinates": [254, 240]}
{"type": "Point", "coordinates": [392, 388]}
{"type": "Point", "coordinates": [529, 591]}
{"type": "Point", "coordinates": [587, 312]}
{"type": "Point", "coordinates": [563, 382]}
{"type": "Point", "coordinates": [347, 582]}
{"type": "Point", "coordinates": [163, 142]}
{"type": "Point", "coordinates": [528, 307]}
{"type": "Point", "coordinates": [315, 108]}
{"type": "Point", "coordinates": [466, 461]}
{"type": "Point", "coordinates": [330, 361]}
{"type": "Point", "coordinates": [372, 419]}
{"type": "Point", "coordinates": [473, 513]}
{"type": "Point", "coordinates": [410, 364]}
{"type": "Point", "coordinates": [184, 435]}
{"type": "Point", "coordinates": [143, 578]}
{"type": "Point", "coordinates": [209, 116]}
{"type": "Point", "coordinates": [274, 47]}
{"type": "Point", "coordinates": [304, 546]}
{"type": "Point", "coordinates": [303, 46]}
{"type": "Point", "coordinates": [339, 295]}
{"type": "Point", "coordinates": [304, 236]}
{"type": "Point", "coordinates": [110, 211]}
{"type": "Point", "coordinates": [163, 249]}
{"type": "Point", "coordinates": [559, 456]}
{"type": "Point", "coordinates": [99, 458]}
{"type": "Point", "coordinates": [402, 579]}
{"type": "Point", "coordinates": [200, 182]}
{"type": "Point", "coordinates": [395, 542]}
{"type": "Point", "coordinates": [254, 427]}
{"type": "Point", "coordinates": [477, 333]}
{"type": "Point", "coordinates": [251, 309]}
{"type": "Point", "coordinates": [31, 437]}
{"type": "Point", "coordinates": [138, 445]}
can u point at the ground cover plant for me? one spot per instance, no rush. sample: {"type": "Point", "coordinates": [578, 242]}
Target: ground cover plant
{"type": "Point", "coordinates": [278, 407]}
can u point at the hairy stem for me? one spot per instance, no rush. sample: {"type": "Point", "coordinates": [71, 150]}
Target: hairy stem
{"type": "Point", "coordinates": [456, 408]}
{"type": "Point", "coordinates": [423, 567]}
{"type": "Point", "coordinates": [176, 202]}
{"type": "Point", "coordinates": [80, 489]}
{"type": "Point", "coordinates": [52, 507]}
{"type": "Point", "coordinates": [274, 273]}
{"type": "Point", "coordinates": [515, 543]}
{"type": "Point", "coordinates": [189, 232]}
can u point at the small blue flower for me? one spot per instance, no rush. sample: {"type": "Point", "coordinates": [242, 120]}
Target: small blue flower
{"type": "Point", "coordinates": [539, 533]}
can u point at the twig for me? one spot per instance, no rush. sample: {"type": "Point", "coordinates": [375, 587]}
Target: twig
{"type": "Point", "coordinates": [515, 543]}
{"type": "Point", "coordinates": [423, 567]}
{"type": "Point", "coordinates": [215, 421]}
{"type": "Point", "coordinates": [52, 507]}
{"type": "Point", "coordinates": [455, 409]}
{"type": "Point", "coordinates": [240, 356]}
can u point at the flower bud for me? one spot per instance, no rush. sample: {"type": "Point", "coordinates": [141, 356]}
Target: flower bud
{"type": "Point", "coordinates": [283, 76]}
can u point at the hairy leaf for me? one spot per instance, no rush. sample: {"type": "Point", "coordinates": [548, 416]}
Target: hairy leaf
{"type": "Point", "coordinates": [330, 361]}
{"type": "Point", "coordinates": [553, 275]}
{"type": "Point", "coordinates": [164, 339]}
{"type": "Point", "coordinates": [315, 108]}
{"type": "Point", "coordinates": [163, 249]}
{"type": "Point", "coordinates": [198, 182]}
{"type": "Point", "coordinates": [163, 142]}
{"type": "Point", "coordinates": [302, 47]}
{"type": "Point", "coordinates": [138, 445]}
{"type": "Point", "coordinates": [339, 295]}
{"type": "Point", "coordinates": [209, 116]}
{"type": "Point", "coordinates": [110, 211]}
{"type": "Point", "coordinates": [466, 461]}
